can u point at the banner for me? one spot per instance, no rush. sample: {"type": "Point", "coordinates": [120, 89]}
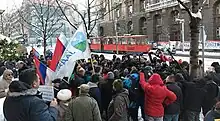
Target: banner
{"type": "Point", "coordinates": [77, 48]}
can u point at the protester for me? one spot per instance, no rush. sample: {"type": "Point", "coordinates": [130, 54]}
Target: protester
{"type": "Point", "coordinates": [83, 108]}
{"type": "Point", "coordinates": [5, 81]}
{"type": "Point", "coordinates": [118, 107]}
{"type": "Point", "coordinates": [214, 114]}
{"type": "Point", "coordinates": [194, 96]}
{"type": "Point", "coordinates": [94, 90]}
{"type": "Point", "coordinates": [212, 91]}
{"type": "Point", "coordinates": [64, 97]}
{"type": "Point", "coordinates": [21, 66]}
{"type": "Point", "coordinates": [156, 95]}
{"type": "Point", "coordinates": [23, 102]}
{"type": "Point", "coordinates": [172, 111]}
{"type": "Point", "coordinates": [107, 89]}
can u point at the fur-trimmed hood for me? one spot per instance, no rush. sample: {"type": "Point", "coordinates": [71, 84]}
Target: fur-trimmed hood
{"type": "Point", "coordinates": [18, 88]}
{"type": "Point", "coordinates": [29, 92]}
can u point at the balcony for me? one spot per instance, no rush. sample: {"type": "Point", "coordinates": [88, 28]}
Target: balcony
{"type": "Point", "coordinates": [162, 4]}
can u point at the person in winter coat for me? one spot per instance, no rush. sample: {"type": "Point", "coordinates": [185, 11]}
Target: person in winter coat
{"type": "Point", "coordinates": [194, 96]}
{"type": "Point", "coordinates": [83, 108]}
{"type": "Point", "coordinates": [64, 97]}
{"type": "Point", "coordinates": [24, 103]}
{"type": "Point", "coordinates": [94, 90]}
{"type": "Point", "coordinates": [172, 111]}
{"type": "Point", "coordinates": [118, 107]}
{"type": "Point", "coordinates": [5, 81]}
{"type": "Point", "coordinates": [214, 114]}
{"type": "Point", "coordinates": [21, 66]}
{"type": "Point", "coordinates": [156, 95]}
{"type": "Point", "coordinates": [107, 89]}
{"type": "Point", "coordinates": [211, 95]}
{"type": "Point", "coordinates": [78, 80]}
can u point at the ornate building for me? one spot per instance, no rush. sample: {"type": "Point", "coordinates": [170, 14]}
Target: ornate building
{"type": "Point", "coordinates": [156, 18]}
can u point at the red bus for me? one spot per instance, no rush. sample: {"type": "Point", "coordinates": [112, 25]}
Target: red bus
{"type": "Point", "coordinates": [133, 43]}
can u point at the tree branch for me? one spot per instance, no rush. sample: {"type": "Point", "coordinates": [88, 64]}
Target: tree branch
{"type": "Point", "coordinates": [91, 2]}
{"type": "Point", "coordinates": [186, 8]}
{"type": "Point", "coordinates": [48, 36]}
{"type": "Point", "coordinates": [65, 15]}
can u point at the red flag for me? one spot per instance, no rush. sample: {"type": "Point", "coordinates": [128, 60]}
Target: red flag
{"type": "Point", "coordinates": [58, 52]}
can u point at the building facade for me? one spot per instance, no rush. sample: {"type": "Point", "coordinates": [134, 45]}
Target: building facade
{"type": "Point", "coordinates": [156, 18]}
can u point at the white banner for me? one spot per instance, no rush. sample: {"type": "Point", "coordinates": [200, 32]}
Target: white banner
{"type": "Point", "coordinates": [77, 48]}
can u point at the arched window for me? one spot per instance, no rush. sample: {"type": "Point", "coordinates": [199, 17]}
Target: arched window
{"type": "Point", "coordinates": [101, 31]}
{"type": "Point", "coordinates": [175, 26]}
{"type": "Point", "coordinates": [130, 27]}
{"type": "Point", "coordinates": [157, 35]}
{"type": "Point", "coordinates": [142, 25]}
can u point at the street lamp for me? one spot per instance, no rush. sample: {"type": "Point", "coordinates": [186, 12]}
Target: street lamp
{"type": "Point", "coordinates": [182, 21]}
{"type": "Point", "coordinates": [1, 13]}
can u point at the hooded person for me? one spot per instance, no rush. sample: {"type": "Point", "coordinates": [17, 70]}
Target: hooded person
{"type": "Point", "coordinates": [64, 97]}
{"type": "Point", "coordinates": [24, 103]}
{"type": "Point", "coordinates": [172, 111]}
{"type": "Point", "coordinates": [5, 81]}
{"type": "Point", "coordinates": [107, 89]}
{"type": "Point", "coordinates": [84, 107]}
{"type": "Point", "coordinates": [118, 107]}
{"type": "Point", "coordinates": [94, 90]}
{"type": "Point", "coordinates": [156, 96]}
{"type": "Point", "coordinates": [21, 66]}
{"type": "Point", "coordinates": [214, 114]}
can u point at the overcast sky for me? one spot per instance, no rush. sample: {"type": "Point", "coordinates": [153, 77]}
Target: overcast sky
{"type": "Point", "coordinates": [8, 5]}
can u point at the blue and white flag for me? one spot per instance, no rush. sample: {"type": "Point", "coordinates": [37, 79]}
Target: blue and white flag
{"type": "Point", "coordinates": [77, 48]}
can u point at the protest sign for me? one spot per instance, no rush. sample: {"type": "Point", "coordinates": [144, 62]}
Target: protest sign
{"type": "Point", "coordinates": [48, 92]}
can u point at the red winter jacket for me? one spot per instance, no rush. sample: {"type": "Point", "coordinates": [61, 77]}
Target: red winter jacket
{"type": "Point", "coordinates": [156, 95]}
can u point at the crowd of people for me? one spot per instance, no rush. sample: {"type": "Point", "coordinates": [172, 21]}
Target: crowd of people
{"type": "Point", "coordinates": [113, 90]}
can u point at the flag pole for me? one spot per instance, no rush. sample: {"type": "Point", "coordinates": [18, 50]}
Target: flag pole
{"type": "Point", "coordinates": [93, 68]}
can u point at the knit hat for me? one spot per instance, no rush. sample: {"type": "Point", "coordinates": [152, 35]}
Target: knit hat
{"type": "Point", "coordinates": [84, 88]}
{"type": "Point", "coordinates": [111, 75]}
{"type": "Point", "coordinates": [95, 78]}
{"type": "Point", "coordinates": [64, 95]}
{"type": "Point", "coordinates": [118, 85]}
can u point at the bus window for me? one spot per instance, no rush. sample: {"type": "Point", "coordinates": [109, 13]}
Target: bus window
{"type": "Point", "coordinates": [124, 40]}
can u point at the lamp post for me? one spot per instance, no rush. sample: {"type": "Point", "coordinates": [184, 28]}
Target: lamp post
{"type": "Point", "coordinates": [1, 13]}
{"type": "Point", "coordinates": [182, 21]}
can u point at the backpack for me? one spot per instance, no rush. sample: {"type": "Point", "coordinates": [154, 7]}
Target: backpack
{"type": "Point", "coordinates": [131, 83]}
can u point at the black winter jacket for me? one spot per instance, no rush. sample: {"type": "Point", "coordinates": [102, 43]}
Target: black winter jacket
{"type": "Point", "coordinates": [175, 107]}
{"type": "Point", "coordinates": [194, 96]}
{"type": "Point", "coordinates": [23, 104]}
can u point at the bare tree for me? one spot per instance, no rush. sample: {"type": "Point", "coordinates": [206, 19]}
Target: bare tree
{"type": "Point", "coordinates": [14, 26]}
{"type": "Point", "coordinates": [195, 19]}
{"type": "Point", "coordinates": [42, 18]}
{"type": "Point", "coordinates": [89, 17]}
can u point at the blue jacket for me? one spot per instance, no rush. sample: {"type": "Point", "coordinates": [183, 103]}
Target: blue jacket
{"type": "Point", "coordinates": [23, 104]}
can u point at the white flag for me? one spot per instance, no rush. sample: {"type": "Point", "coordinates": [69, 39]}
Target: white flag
{"type": "Point", "coordinates": [77, 48]}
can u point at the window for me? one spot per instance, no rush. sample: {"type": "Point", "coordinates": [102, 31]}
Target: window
{"type": "Point", "coordinates": [157, 1]}
{"type": "Point", "coordinates": [218, 9]}
{"type": "Point", "coordinates": [218, 32]}
{"type": "Point", "coordinates": [143, 4]}
{"type": "Point", "coordinates": [130, 27]}
{"type": "Point", "coordinates": [130, 9]}
{"type": "Point", "coordinates": [117, 13]}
